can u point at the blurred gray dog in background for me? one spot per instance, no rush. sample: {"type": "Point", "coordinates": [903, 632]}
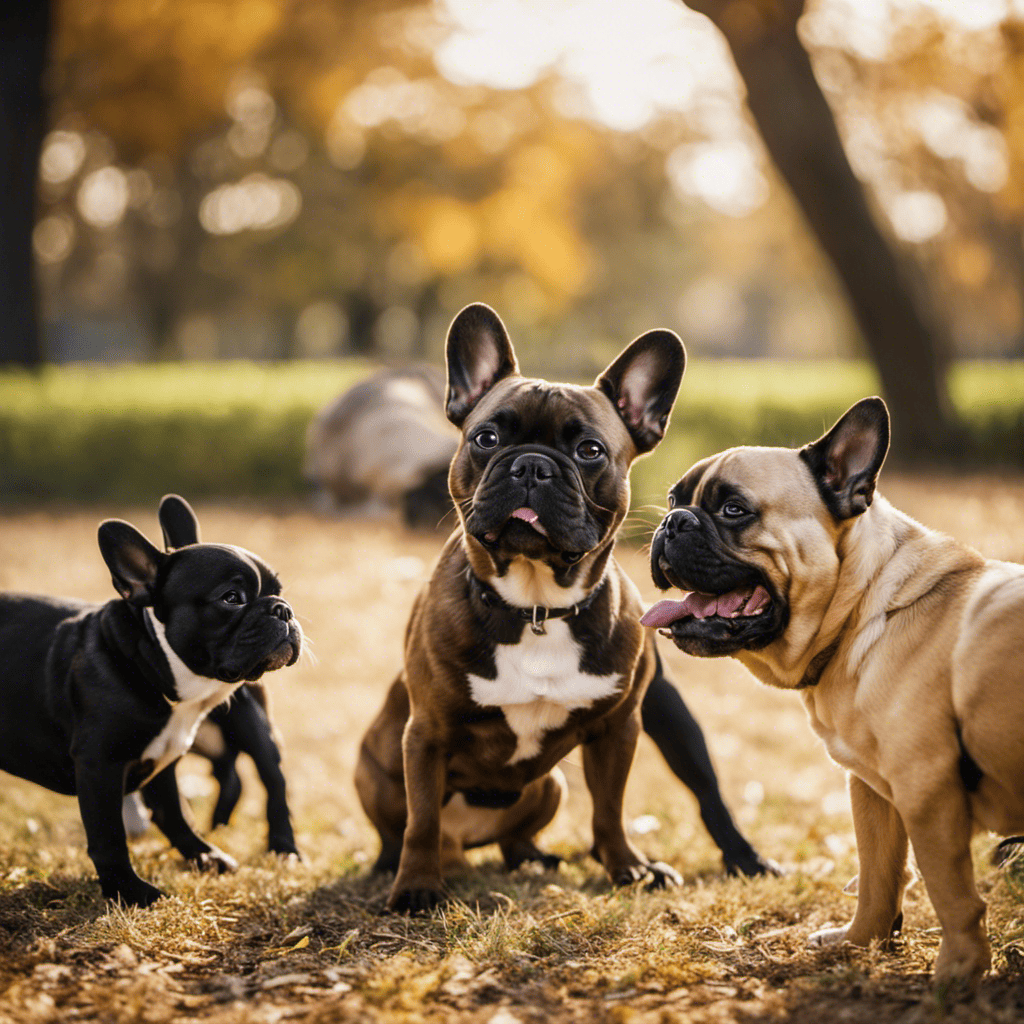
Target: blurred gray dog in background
{"type": "Point", "coordinates": [385, 445]}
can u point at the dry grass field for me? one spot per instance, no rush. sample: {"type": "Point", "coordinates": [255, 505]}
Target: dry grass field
{"type": "Point", "coordinates": [309, 943]}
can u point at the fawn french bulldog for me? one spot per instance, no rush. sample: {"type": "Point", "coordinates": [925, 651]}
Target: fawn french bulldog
{"type": "Point", "coordinates": [905, 646]}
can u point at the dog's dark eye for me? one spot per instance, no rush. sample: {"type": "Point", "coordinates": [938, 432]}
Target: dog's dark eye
{"type": "Point", "coordinates": [233, 597]}
{"type": "Point", "coordinates": [733, 510]}
{"type": "Point", "coordinates": [671, 501]}
{"type": "Point", "coordinates": [486, 439]}
{"type": "Point", "coordinates": [590, 450]}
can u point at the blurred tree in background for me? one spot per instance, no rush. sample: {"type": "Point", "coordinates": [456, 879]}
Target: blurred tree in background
{"type": "Point", "coordinates": [901, 329]}
{"type": "Point", "coordinates": [278, 178]}
{"type": "Point", "coordinates": [24, 34]}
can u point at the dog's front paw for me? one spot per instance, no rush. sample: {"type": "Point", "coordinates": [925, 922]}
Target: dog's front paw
{"type": "Point", "coordinates": [960, 965]}
{"type": "Point", "coordinates": [214, 860]}
{"type": "Point", "coordinates": [132, 892]}
{"type": "Point", "coordinates": [290, 860]}
{"type": "Point", "coordinates": [414, 901]}
{"type": "Point", "coordinates": [627, 874]}
{"type": "Point", "coordinates": [751, 864]}
{"type": "Point", "coordinates": [284, 846]}
{"type": "Point", "coordinates": [662, 876]}
{"type": "Point", "coordinates": [828, 937]}
{"type": "Point", "coordinates": [521, 852]}
{"type": "Point", "coordinates": [657, 875]}
{"type": "Point", "coordinates": [856, 934]}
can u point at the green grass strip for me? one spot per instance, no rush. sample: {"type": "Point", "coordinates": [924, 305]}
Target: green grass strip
{"type": "Point", "coordinates": [236, 429]}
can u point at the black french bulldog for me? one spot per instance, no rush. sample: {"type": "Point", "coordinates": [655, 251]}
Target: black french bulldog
{"type": "Point", "coordinates": [100, 700]}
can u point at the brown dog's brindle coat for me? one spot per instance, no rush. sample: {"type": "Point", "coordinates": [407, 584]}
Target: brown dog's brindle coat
{"type": "Point", "coordinates": [441, 759]}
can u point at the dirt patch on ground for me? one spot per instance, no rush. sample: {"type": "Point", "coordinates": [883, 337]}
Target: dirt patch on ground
{"type": "Point", "coordinates": [308, 943]}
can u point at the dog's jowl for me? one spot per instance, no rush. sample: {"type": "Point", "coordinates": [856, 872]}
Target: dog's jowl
{"type": "Point", "coordinates": [527, 641]}
{"type": "Point", "coordinates": [906, 647]}
{"type": "Point", "coordinates": [100, 700]}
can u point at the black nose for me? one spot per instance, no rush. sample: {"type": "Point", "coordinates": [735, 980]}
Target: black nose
{"type": "Point", "coordinates": [533, 468]}
{"type": "Point", "coordinates": [680, 520]}
{"type": "Point", "coordinates": [281, 610]}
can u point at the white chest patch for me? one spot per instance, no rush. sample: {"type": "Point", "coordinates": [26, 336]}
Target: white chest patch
{"type": "Point", "coordinates": [538, 684]}
{"type": "Point", "coordinates": [199, 695]}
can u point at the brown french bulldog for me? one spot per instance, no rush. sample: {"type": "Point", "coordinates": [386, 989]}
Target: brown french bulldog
{"type": "Point", "coordinates": [526, 642]}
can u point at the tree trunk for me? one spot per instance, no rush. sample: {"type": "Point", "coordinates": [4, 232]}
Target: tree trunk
{"type": "Point", "coordinates": [904, 338]}
{"type": "Point", "coordinates": [24, 32]}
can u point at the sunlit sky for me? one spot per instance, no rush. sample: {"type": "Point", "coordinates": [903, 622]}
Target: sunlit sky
{"type": "Point", "coordinates": [631, 60]}
{"type": "Point", "coordinates": [621, 64]}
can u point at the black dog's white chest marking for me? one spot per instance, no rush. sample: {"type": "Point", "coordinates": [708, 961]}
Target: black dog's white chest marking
{"type": "Point", "coordinates": [199, 695]}
{"type": "Point", "coordinates": [538, 684]}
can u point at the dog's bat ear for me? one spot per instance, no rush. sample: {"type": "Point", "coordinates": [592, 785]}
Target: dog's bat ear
{"type": "Point", "coordinates": [178, 522]}
{"type": "Point", "coordinates": [479, 354]}
{"type": "Point", "coordinates": [642, 384]}
{"type": "Point", "coordinates": [133, 562]}
{"type": "Point", "coordinates": [845, 462]}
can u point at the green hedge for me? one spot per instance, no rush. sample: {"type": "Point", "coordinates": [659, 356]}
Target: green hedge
{"type": "Point", "coordinates": [237, 429]}
{"type": "Point", "coordinates": [134, 433]}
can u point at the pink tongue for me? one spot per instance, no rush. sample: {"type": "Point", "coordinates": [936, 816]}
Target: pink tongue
{"type": "Point", "coordinates": [702, 606]}
{"type": "Point", "coordinates": [729, 604]}
{"type": "Point", "coordinates": [529, 516]}
{"type": "Point", "coordinates": [664, 613]}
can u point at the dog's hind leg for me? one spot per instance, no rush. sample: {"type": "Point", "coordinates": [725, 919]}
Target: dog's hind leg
{"type": "Point", "coordinates": [389, 856]}
{"type": "Point", "coordinates": [380, 777]}
{"type": "Point", "coordinates": [532, 811]}
{"type": "Point", "coordinates": [668, 721]}
{"type": "Point", "coordinates": [173, 817]}
{"type": "Point", "coordinates": [247, 729]}
{"type": "Point", "coordinates": [383, 798]}
{"type": "Point", "coordinates": [211, 741]}
{"type": "Point", "coordinates": [230, 787]}
{"type": "Point", "coordinates": [882, 849]}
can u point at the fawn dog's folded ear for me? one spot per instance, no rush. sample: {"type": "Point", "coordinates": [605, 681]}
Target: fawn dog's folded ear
{"type": "Point", "coordinates": [846, 461]}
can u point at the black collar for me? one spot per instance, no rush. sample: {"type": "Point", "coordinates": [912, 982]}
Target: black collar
{"type": "Point", "coordinates": [537, 615]}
